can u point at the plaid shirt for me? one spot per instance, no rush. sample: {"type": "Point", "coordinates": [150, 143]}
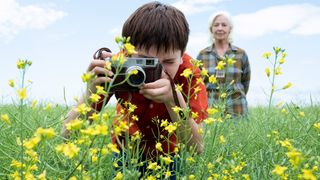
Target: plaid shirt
{"type": "Point", "coordinates": [239, 73]}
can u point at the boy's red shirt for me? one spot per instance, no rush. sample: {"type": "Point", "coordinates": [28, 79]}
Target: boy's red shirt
{"type": "Point", "coordinates": [150, 113]}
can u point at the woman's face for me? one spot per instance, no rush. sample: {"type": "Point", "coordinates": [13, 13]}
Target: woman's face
{"type": "Point", "coordinates": [221, 28]}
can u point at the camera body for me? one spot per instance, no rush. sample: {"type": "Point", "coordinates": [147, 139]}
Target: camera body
{"type": "Point", "coordinates": [146, 70]}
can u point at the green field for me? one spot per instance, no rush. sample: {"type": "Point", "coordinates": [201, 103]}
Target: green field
{"type": "Point", "coordinates": [250, 148]}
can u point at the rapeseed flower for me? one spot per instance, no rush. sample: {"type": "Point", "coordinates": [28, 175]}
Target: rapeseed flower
{"type": "Point", "coordinates": [83, 109]}
{"type": "Point", "coordinates": [279, 170]}
{"type": "Point", "coordinates": [130, 49]}
{"type": "Point", "coordinates": [167, 160]}
{"type": "Point", "coordinates": [159, 147]}
{"type": "Point", "coordinates": [179, 87]}
{"type": "Point", "coordinates": [75, 124]}
{"type": "Point", "coordinates": [266, 55]}
{"type": "Point", "coordinates": [100, 90]}
{"type": "Point", "coordinates": [22, 93]}
{"type": "Point", "coordinates": [113, 148]}
{"type": "Point", "coordinates": [11, 83]}
{"type": "Point", "coordinates": [212, 111]}
{"type": "Point", "coordinates": [5, 118]}
{"type": "Point", "coordinates": [212, 79]}
{"type": "Point", "coordinates": [268, 71]}
{"type": "Point", "coordinates": [70, 150]}
{"type": "Point", "coordinates": [94, 98]}
{"type": "Point", "coordinates": [31, 143]}
{"type": "Point", "coordinates": [171, 127]}
{"type": "Point", "coordinates": [220, 65]}
{"type": "Point", "coordinates": [94, 116]}
{"type": "Point", "coordinates": [119, 176]}
{"type": "Point", "coordinates": [230, 61]}
{"type": "Point", "coordinates": [295, 158]}
{"type": "Point", "coordinates": [192, 177]}
{"type": "Point", "coordinates": [47, 133]}
{"type": "Point", "coordinates": [186, 73]}
{"type": "Point", "coordinates": [86, 77]}
{"type": "Point", "coordinates": [48, 107]}
{"type": "Point", "coordinates": [317, 125]}
{"type": "Point", "coordinates": [289, 84]}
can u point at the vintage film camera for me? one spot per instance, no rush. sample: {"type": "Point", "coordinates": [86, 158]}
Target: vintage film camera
{"type": "Point", "coordinates": [148, 70]}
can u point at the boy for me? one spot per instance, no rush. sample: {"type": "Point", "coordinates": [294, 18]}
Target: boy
{"type": "Point", "coordinates": [160, 31]}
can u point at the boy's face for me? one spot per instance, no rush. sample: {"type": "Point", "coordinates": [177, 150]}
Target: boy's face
{"type": "Point", "coordinates": [170, 60]}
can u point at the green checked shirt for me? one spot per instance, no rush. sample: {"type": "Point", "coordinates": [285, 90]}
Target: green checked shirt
{"type": "Point", "coordinates": [234, 80]}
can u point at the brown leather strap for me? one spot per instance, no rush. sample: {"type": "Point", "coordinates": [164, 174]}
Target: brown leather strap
{"type": "Point", "coordinates": [173, 88]}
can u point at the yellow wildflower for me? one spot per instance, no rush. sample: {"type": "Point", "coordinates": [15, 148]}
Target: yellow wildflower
{"type": "Point", "coordinates": [192, 177]}
{"type": "Point", "coordinates": [176, 109]}
{"type": "Point", "coordinates": [230, 61]}
{"type": "Point", "coordinates": [223, 95]}
{"type": "Point", "coordinates": [74, 124]}
{"type": "Point", "coordinates": [267, 70]}
{"type": "Point", "coordinates": [194, 115]}
{"type": "Point", "coordinates": [31, 143]}
{"type": "Point", "coordinates": [279, 170]}
{"type": "Point", "coordinates": [17, 164]}
{"type": "Point", "coordinates": [266, 55]}
{"type": "Point", "coordinates": [246, 176]}
{"type": "Point", "coordinates": [130, 48]}
{"type": "Point", "coordinates": [86, 77]}
{"type": "Point", "coordinates": [11, 83]}
{"type": "Point", "coordinates": [22, 93]}
{"type": "Point", "coordinates": [5, 118]}
{"type": "Point", "coordinates": [212, 111]}
{"type": "Point", "coordinates": [212, 79]}
{"type": "Point", "coordinates": [278, 71]}
{"type": "Point", "coordinates": [301, 113]}
{"type": "Point", "coordinates": [295, 157]}
{"type": "Point", "coordinates": [90, 131]}
{"type": "Point", "coordinates": [308, 174]}
{"type": "Point", "coordinates": [34, 104]}
{"type": "Point", "coordinates": [48, 133]}
{"type": "Point", "coordinates": [186, 73]}
{"type": "Point", "coordinates": [70, 149]}
{"type": "Point", "coordinates": [21, 64]}
{"type": "Point", "coordinates": [281, 60]}
{"type": "Point", "coordinates": [48, 107]}
{"type": "Point", "coordinates": [94, 98]}
{"type": "Point", "coordinates": [151, 178]}
{"type": "Point", "coordinates": [222, 139]}
{"type": "Point", "coordinates": [119, 176]}
{"type": "Point", "coordinates": [289, 84]}
{"type": "Point", "coordinates": [167, 174]}
{"type": "Point", "coordinates": [209, 120]}
{"type": "Point", "coordinates": [100, 90]}
{"type": "Point", "coordinates": [42, 176]}
{"type": "Point", "coordinates": [171, 127]}
{"type": "Point", "coordinates": [83, 109]}
{"type": "Point", "coordinates": [94, 116]}
{"type": "Point", "coordinates": [204, 72]}
{"type": "Point", "coordinates": [153, 166]}
{"type": "Point", "coordinates": [220, 65]}
{"type": "Point", "coordinates": [113, 148]}
{"type": "Point", "coordinates": [107, 65]}
{"type": "Point", "coordinates": [210, 166]}
{"type": "Point", "coordinates": [317, 125]}
{"type": "Point", "coordinates": [167, 160]}
{"type": "Point", "coordinates": [190, 160]}
{"type": "Point", "coordinates": [179, 87]}
{"type": "Point", "coordinates": [159, 147]}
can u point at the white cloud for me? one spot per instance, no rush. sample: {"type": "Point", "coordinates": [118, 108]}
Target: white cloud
{"type": "Point", "coordinates": [15, 17]}
{"type": "Point", "coordinates": [300, 19]}
{"type": "Point", "coordinates": [189, 7]}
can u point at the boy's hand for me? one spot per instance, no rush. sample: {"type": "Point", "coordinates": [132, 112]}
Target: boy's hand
{"type": "Point", "coordinates": [97, 67]}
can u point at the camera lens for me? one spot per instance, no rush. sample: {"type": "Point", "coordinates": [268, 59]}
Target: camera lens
{"type": "Point", "coordinates": [136, 76]}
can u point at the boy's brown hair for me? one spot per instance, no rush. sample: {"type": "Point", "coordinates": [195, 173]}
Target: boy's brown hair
{"type": "Point", "coordinates": [159, 25]}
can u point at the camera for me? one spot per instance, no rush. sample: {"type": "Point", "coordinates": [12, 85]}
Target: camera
{"type": "Point", "coordinates": [135, 72]}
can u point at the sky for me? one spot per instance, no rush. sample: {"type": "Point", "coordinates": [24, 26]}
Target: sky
{"type": "Point", "coordinates": [60, 36]}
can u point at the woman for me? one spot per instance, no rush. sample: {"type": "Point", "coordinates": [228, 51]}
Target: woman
{"type": "Point", "coordinates": [229, 65]}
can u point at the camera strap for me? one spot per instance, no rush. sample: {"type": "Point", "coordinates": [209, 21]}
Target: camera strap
{"type": "Point", "coordinates": [98, 53]}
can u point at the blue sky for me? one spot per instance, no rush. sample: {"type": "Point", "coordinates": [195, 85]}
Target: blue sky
{"type": "Point", "coordinates": [60, 36]}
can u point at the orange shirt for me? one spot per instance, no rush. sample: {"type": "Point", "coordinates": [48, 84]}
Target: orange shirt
{"type": "Point", "coordinates": [148, 111]}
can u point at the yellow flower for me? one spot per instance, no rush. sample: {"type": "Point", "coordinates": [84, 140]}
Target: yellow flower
{"type": "Point", "coordinates": [86, 77]}
{"type": "Point", "coordinates": [159, 147]}
{"type": "Point", "coordinates": [119, 176]}
{"type": "Point", "coordinates": [289, 84]}
{"type": "Point", "coordinates": [197, 89]}
{"type": "Point", "coordinates": [192, 177]}
{"type": "Point", "coordinates": [209, 120]}
{"type": "Point", "coordinates": [94, 116]}
{"type": "Point", "coordinates": [281, 60]}
{"type": "Point", "coordinates": [164, 123]}
{"type": "Point", "coordinates": [31, 143]}
{"type": "Point", "coordinates": [22, 94]}
{"type": "Point", "coordinates": [94, 98]}
{"type": "Point", "coordinates": [267, 70]}
{"type": "Point", "coordinates": [286, 143]}
{"type": "Point", "coordinates": [153, 166]}
{"type": "Point", "coordinates": [176, 109]}
{"type": "Point", "coordinates": [186, 73]}
{"type": "Point", "coordinates": [102, 129]}
{"type": "Point", "coordinates": [171, 127]}
{"type": "Point", "coordinates": [222, 139]}
{"type": "Point", "coordinates": [17, 164]}
{"type": "Point", "coordinates": [151, 178]}
{"type": "Point", "coordinates": [34, 104]}
{"type": "Point", "coordinates": [210, 165]}
{"type": "Point", "coordinates": [48, 107]}
{"type": "Point", "coordinates": [279, 170]}
{"type": "Point", "coordinates": [278, 71]}
{"type": "Point", "coordinates": [295, 157]}
{"type": "Point", "coordinates": [42, 176]}
{"type": "Point", "coordinates": [179, 87]}
{"type": "Point", "coordinates": [107, 65]}
{"type": "Point", "coordinates": [48, 133]}
{"type": "Point", "coordinates": [90, 131]}
{"type": "Point", "coordinates": [301, 113]}
{"type": "Point", "coordinates": [167, 174]}
{"type": "Point", "coordinates": [266, 55]}
{"type": "Point", "coordinates": [204, 72]}
{"type": "Point", "coordinates": [190, 160]}
{"type": "Point", "coordinates": [21, 64]}
{"type": "Point", "coordinates": [70, 150]}
{"type": "Point", "coordinates": [246, 176]}
{"type": "Point", "coordinates": [317, 125]}
{"type": "Point", "coordinates": [5, 118]}
{"type": "Point", "coordinates": [11, 83]}
{"type": "Point", "coordinates": [308, 174]}
{"type": "Point", "coordinates": [167, 160]}
{"type": "Point", "coordinates": [100, 90]}
{"type": "Point", "coordinates": [130, 49]}
{"type": "Point", "coordinates": [113, 148]}
{"type": "Point", "coordinates": [212, 79]}
{"type": "Point", "coordinates": [83, 109]}
{"type": "Point", "coordinates": [194, 115]}
{"type": "Point", "coordinates": [230, 61]}
{"type": "Point", "coordinates": [220, 65]}
{"type": "Point", "coordinates": [212, 111]}
{"type": "Point", "coordinates": [74, 124]}
{"type": "Point", "coordinates": [223, 95]}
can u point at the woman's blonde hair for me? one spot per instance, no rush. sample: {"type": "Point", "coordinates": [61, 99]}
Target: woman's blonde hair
{"type": "Point", "coordinates": [213, 19]}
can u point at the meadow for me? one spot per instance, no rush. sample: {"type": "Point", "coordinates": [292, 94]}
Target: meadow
{"type": "Point", "coordinates": [276, 141]}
